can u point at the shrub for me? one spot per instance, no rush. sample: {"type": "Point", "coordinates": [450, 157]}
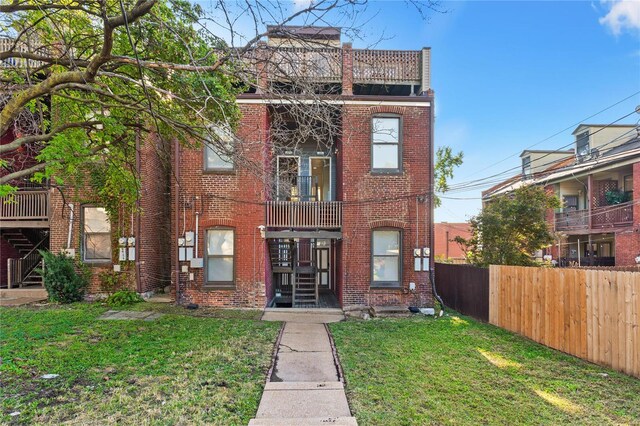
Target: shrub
{"type": "Point", "coordinates": [64, 278]}
{"type": "Point", "coordinates": [111, 282]}
{"type": "Point", "coordinates": [123, 298]}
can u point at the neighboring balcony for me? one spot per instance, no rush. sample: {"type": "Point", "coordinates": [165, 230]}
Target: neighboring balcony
{"type": "Point", "coordinates": [25, 209]}
{"type": "Point", "coordinates": [614, 216]}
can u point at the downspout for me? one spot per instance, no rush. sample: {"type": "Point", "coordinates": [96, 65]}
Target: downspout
{"type": "Point", "coordinates": [432, 274]}
{"type": "Point", "coordinates": [176, 202]}
{"type": "Point", "coordinates": [138, 239]}
{"type": "Point", "coordinates": [70, 226]}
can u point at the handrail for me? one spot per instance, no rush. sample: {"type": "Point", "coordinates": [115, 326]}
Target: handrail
{"type": "Point", "coordinates": [25, 205]}
{"type": "Point", "coordinates": [19, 269]}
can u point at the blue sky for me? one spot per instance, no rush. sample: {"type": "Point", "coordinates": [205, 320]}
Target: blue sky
{"type": "Point", "coordinates": [510, 74]}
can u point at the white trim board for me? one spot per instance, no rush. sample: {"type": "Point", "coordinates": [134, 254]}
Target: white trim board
{"type": "Point", "coordinates": [423, 104]}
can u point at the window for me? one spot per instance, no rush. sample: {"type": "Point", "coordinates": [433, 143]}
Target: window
{"type": "Point", "coordinates": [220, 257]}
{"type": "Point", "coordinates": [385, 144]}
{"type": "Point", "coordinates": [570, 203]}
{"type": "Point", "coordinates": [214, 159]}
{"type": "Point", "coordinates": [582, 144]}
{"type": "Point", "coordinates": [96, 238]}
{"type": "Point", "coordinates": [526, 165]}
{"type": "Point", "coordinates": [385, 258]}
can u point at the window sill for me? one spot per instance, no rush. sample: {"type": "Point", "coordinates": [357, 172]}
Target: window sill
{"type": "Point", "coordinates": [96, 263]}
{"type": "Point", "coordinates": [383, 286]}
{"type": "Point", "coordinates": [386, 173]}
{"type": "Point", "coordinates": [216, 287]}
{"type": "Point", "coordinates": [219, 171]}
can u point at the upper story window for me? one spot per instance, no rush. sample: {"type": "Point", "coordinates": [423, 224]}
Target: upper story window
{"type": "Point", "coordinates": [96, 235]}
{"type": "Point", "coordinates": [386, 142]}
{"type": "Point", "coordinates": [526, 166]}
{"type": "Point", "coordinates": [386, 262]}
{"type": "Point", "coordinates": [628, 184]}
{"type": "Point", "coordinates": [220, 257]}
{"type": "Point", "coordinates": [214, 159]}
{"type": "Point", "coordinates": [582, 143]}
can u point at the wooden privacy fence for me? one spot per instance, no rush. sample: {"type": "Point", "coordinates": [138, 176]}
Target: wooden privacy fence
{"type": "Point", "coordinates": [592, 314]}
{"type": "Point", "coordinates": [464, 288]}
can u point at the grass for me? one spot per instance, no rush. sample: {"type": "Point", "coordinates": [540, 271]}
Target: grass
{"type": "Point", "coordinates": [178, 369]}
{"type": "Point", "coordinates": [454, 370]}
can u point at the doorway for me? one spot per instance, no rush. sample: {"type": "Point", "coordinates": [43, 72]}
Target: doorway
{"type": "Point", "coordinates": [320, 168]}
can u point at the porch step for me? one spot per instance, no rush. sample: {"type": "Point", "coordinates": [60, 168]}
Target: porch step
{"type": "Point", "coordinates": [15, 293]}
{"type": "Point", "coordinates": [390, 311]}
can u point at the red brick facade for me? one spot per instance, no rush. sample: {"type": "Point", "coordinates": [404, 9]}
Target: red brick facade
{"type": "Point", "coordinates": [445, 233]}
{"type": "Point", "coordinates": [628, 241]}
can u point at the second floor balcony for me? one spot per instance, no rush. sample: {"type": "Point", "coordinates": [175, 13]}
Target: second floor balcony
{"type": "Point", "coordinates": [614, 216]}
{"type": "Point", "coordinates": [25, 208]}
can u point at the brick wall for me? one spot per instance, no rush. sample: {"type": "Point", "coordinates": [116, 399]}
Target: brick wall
{"type": "Point", "coordinates": [149, 226]}
{"type": "Point", "coordinates": [232, 200]}
{"type": "Point", "coordinates": [628, 241]}
{"type": "Point", "coordinates": [362, 193]}
{"type": "Point", "coordinates": [445, 233]}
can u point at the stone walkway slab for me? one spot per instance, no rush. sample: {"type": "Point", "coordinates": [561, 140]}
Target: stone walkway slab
{"type": "Point", "coordinates": [303, 317]}
{"type": "Point", "coordinates": [304, 387]}
{"type": "Point", "coordinates": [130, 315]}
{"type": "Point", "coordinates": [20, 301]}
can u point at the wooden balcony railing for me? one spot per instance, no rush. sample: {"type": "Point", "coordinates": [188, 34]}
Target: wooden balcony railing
{"type": "Point", "coordinates": [612, 216]}
{"type": "Point", "coordinates": [386, 66]}
{"type": "Point", "coordinates": [326, 64]}
{"type": "Point", "coordinates": [25, 205]}
{"type": "Point", "coordinates": [601, 217]}
{"type": "Point", "coordinates": [572, 220]}
{"type": "Point", "coordinates": [304, 214]}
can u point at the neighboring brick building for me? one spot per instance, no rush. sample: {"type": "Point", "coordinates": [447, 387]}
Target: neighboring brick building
{"type": "Point", "coordinates": [445, 247]}
{"type": "Point", "coordinates": [338, 218]}
{"type": "Point", "coordinates": [599, 187]}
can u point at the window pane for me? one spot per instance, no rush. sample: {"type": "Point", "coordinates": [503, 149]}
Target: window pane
{"type": "Point", "coordinates": [385, 269]}
{"type": "Point", "coordinates": [385, 157]}
{"type": "Point", "coordinates": [220, 269]}
{"type": "Point", "coordinates": [96, 220]}
{"type": "Point", "coordinates": [214, 160]}
{"type": "Point", "coordinates": [220, 242]}
{"type": "Point", "coordinates": [386, 243]}
{"type": "Point", "coordinates": [97, 247]}
{"type": "Point", "coordinates": [385, 129]}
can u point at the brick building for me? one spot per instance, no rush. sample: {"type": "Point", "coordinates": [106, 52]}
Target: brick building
{"type": "Point", "coordinates": [337, 216]}
{"type": "Point", "coordinates": [598, 184]}
{"type": "Point", "coordinates": [445, 247]}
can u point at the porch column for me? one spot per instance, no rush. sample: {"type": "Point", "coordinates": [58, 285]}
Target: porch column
{"type": "Point", "coordinates": [347, 69]}
{"type": "Point", "coordinates": [590, 199]}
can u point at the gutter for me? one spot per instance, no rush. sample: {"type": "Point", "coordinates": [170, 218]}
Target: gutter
{"type": "Point", "coordinates": [432, 273]}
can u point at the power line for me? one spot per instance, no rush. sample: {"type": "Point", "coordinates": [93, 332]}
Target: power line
{"type": "Point", "coordinates": [557, 133]}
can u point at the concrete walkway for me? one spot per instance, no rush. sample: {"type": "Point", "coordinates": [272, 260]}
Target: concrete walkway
{"type": "Point", "coordinates": [305, 386]}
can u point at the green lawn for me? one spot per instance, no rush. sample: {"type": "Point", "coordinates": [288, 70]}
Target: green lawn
{"type": "Point", "coordinates": [178, 369]}
{"type": "Point", "coordinates": [454, 370]}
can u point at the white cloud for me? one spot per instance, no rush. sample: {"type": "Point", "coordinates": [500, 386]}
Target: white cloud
{"type": "Point", "coordinates": [301, 4]}
{"type": "Point", "coordinates": [623, 15]}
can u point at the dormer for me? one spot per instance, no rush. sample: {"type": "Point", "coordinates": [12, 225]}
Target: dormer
{"type": "Point", "coordinates": [536, 161]}
{"type": "Point", "coordinates": [593, 140]}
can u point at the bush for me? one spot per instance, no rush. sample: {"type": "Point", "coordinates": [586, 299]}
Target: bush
{"type": "Point", "coordinates": [123, 298]}
{"type": "Point", "coordinates": [111, 282]}
{"type": "Point", "coordinates": [65, 279]}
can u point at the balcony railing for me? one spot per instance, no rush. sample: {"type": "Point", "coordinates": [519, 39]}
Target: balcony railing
{"type": "Point", "coordinates": [601, 217]}
{"type": "Point", "coordinates": [612, 216]}
{"type": "Point", "coordinates": [298, 188]}
{"type": "Point", "coordinates": [304, 214]}
{"type": "Point", "coordinates": [572, 220]}
{"type": "Point", "coordinates": [25, 205]}
{"type": "Point", "coordinates": [326, 64]}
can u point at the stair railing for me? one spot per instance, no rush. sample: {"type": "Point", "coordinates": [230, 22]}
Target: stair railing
{"type": "Point", "coordinates": [19, 269]}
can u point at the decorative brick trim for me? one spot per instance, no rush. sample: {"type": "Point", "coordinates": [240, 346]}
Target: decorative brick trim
{"type": "Point", "coordinates": [207, 223]}
{"type": "Point", "coordinates": [388, 109]}
{"type": "Point", "coordinates": [388, 223]}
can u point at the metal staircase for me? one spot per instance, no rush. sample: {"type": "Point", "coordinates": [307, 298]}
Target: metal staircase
{"type": "Point", "coordinates": [24, 271]}
{"type": "Point", "coordinates": [294, 269]}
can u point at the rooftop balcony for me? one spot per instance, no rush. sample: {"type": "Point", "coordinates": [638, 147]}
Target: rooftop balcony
{"type": "Point", "coordinates": [341, 65]}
